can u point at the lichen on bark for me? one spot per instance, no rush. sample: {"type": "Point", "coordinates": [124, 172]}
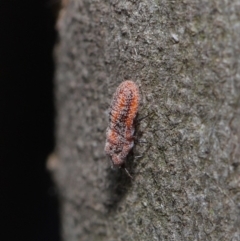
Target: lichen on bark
{"type": "Point", "coordinates": [184, 55]}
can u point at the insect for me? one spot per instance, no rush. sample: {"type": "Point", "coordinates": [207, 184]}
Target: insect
{"type": "Point", "coordinates": [120, 132]}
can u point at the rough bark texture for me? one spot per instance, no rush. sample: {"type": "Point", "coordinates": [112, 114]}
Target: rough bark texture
{"type": "Point", "coordinates": [184, 55]}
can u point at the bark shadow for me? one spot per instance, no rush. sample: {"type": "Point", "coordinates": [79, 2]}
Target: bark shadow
{"type": "Point", "coordinates": [119, 183]}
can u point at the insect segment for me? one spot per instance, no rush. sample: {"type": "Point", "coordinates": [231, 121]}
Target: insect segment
{"type": "Point", "coordinates": [123, 110]}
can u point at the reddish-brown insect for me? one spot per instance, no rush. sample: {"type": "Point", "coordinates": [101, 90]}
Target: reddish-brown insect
{"type": "Point", "coordinates": [123, 110]}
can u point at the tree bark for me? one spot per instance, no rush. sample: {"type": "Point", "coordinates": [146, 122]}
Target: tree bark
{"type": "Point", "coordinates": [184, 56]}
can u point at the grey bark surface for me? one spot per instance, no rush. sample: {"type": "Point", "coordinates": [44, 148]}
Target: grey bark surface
{"type": "Point", "coordinates": [184, 56]}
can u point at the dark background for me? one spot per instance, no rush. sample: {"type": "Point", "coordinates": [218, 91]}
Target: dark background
{"type": "Point", "coordinates": [28, 203]}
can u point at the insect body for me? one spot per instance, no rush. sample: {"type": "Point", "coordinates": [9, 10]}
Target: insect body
{"type": "Point", "coordinates": [123, 110]}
